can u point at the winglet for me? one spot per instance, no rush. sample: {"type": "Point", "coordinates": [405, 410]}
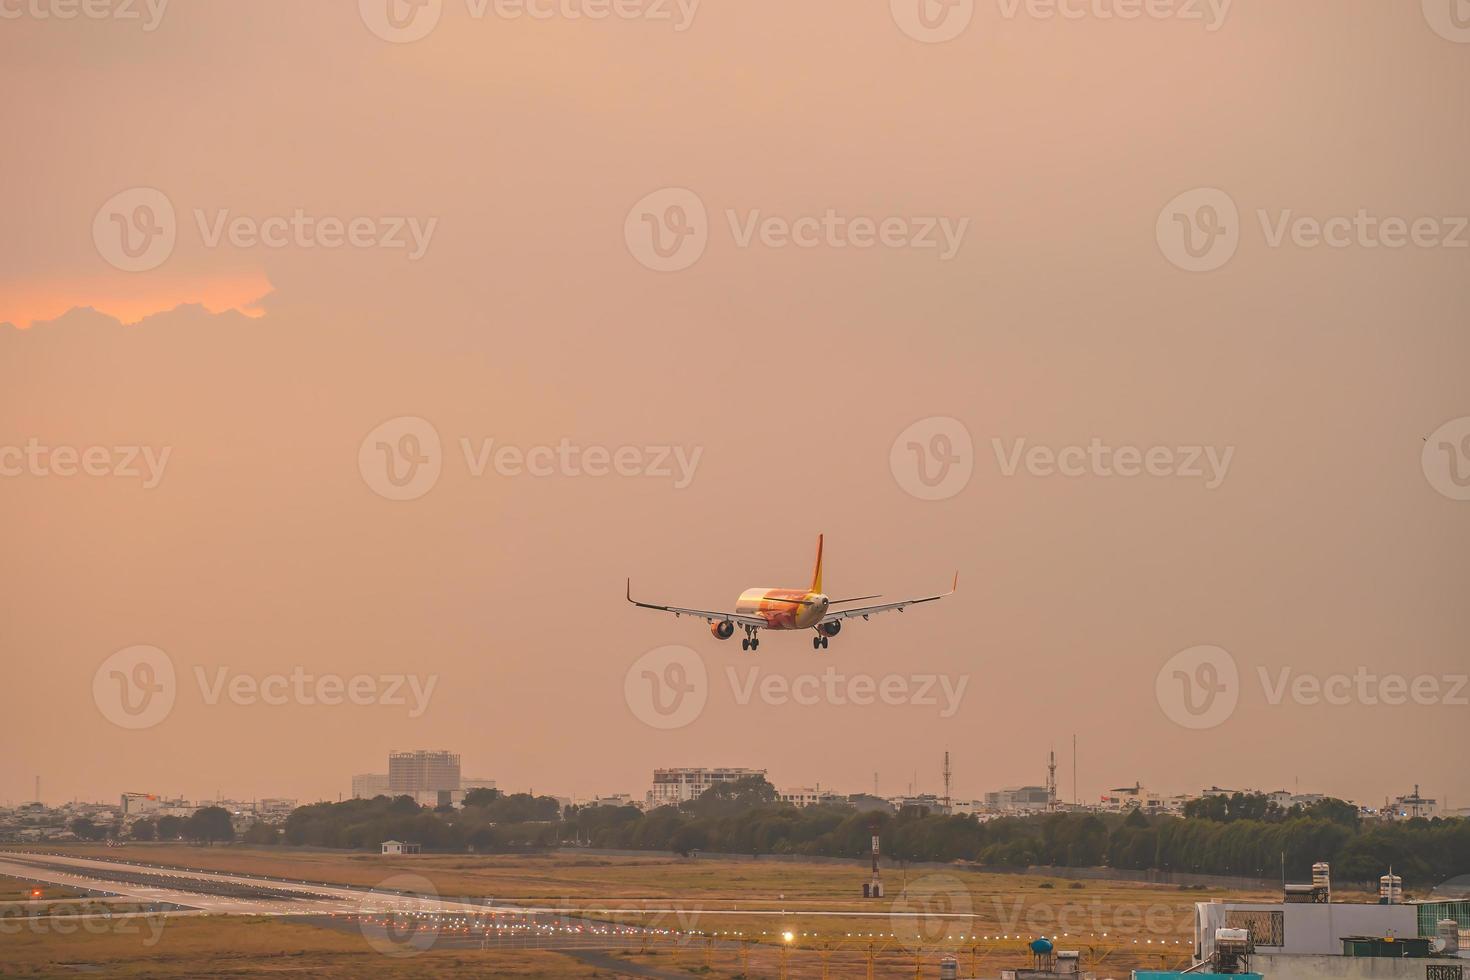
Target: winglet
{"type": "Point", "coordinates": [956, 587]}
{"type": "Point", "coordinates": [630, 589]}
{"type": "Point", "coordinates": [817, 575]}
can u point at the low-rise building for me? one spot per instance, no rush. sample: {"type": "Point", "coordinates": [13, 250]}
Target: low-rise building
{"type": "Point", "coordinates": [1019, 799]}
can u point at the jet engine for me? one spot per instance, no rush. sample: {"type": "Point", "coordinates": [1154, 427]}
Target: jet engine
{"type": "Point", "coordinates": [830, 629]}
{"type": "Point", "coordinates": [722, 630]}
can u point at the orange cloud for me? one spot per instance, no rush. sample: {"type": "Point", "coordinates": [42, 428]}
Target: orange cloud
{"type": "Point", "coordinates": [131, 298]}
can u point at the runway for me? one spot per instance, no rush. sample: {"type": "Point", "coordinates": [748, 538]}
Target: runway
{"type": "Point", "coordinates": [399, 915]}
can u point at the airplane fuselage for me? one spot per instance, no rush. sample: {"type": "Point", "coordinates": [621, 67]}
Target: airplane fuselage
{"type": "Point", "coordinates": [783, 609]}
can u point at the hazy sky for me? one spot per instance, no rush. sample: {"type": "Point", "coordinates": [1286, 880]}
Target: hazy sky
{"type": "Point", "coordinates": [1022, 262]}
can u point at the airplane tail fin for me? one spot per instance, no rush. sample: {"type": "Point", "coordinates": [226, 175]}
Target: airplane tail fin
{"type": "Point", "coordinates": [817, 575]}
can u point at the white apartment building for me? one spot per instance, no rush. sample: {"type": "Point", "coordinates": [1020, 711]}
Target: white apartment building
{"type": "Point", "coordinates": [682, 785]}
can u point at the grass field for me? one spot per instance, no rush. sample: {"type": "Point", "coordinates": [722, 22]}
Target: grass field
{"type": "Point", "coordinates": [16, 890]}
{"type": "Point", "coordinates": [240, 947]}
{"type": "Point", "coordinates": [1117, 925]}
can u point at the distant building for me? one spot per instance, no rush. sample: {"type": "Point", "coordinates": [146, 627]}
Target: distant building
{"type": "Point", "coordinates": [1411, 805]}
{"type": "Point", "coordinates": [135, 804]}
{"type": "Point", "coordinates": [616, 799]}
{"type": "Point", "coordinates": [682, 785]}
{"type": "Point", "coordinates": [368, 785]}
{"type": "Point", "coordinates": [274, 808]}
{"type": "Point", "coordinates": [804, 796]}
{"type": "Point", "coordinates": [1133, 797]}
{"type": "Point", "coordinates": [927, 801]}
{"type": "Point", "coordinates": [401, 847]}
{"type": "Point", "coordinates": [1019, 799]}
{"type": "Point", "coordinates": [423, 771]}
{"type": "Point", "coordinates": [468, 784]}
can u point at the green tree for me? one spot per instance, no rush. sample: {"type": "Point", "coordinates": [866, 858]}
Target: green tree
{"type": "Point", "coordinates": [210, 824]}
{"type": "Point", "coordinates": [261, 832]}
{"type": "Point", "coordinates": [172, 828]}
{"type": "Point", "coordinates": [481, 796]}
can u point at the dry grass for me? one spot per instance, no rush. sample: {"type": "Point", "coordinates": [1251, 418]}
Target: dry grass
{"type": "Point", "coordinates": [19, 890]}
{"type": "Point", "coordinates": [239, 947]}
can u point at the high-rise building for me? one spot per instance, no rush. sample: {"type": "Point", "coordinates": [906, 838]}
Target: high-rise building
{"type": "Point", "coordinates": [423, 771]}
{"type": "Point", "coordinates": [681, 785]}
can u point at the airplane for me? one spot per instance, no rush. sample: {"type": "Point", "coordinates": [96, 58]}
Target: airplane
{"type": "Point", "coordinates": [788, 609]}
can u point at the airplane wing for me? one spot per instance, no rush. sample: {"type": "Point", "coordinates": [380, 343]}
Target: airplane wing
{"type": "Point", "coordinates": [866, 611]}
{"type": "Point", "coordinates": [705, 614]}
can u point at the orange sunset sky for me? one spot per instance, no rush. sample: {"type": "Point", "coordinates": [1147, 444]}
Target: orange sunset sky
{"type": "Point", "coordinates": [529, 318]}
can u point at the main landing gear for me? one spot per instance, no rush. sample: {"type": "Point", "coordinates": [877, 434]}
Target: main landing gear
{"type": "Point", "coordinates": [751, 641]}
{"type": "Point", "coordinates": [819, 642]}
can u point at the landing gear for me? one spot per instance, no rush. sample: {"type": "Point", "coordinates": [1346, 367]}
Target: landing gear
{"type": "Point", "coordinates": [819, 642]}
{"type": "Point", "coordinates": [751, 641]}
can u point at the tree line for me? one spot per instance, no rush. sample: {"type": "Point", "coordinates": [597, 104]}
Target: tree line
{"type": "Point", "coordinates": [1241, 834]}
